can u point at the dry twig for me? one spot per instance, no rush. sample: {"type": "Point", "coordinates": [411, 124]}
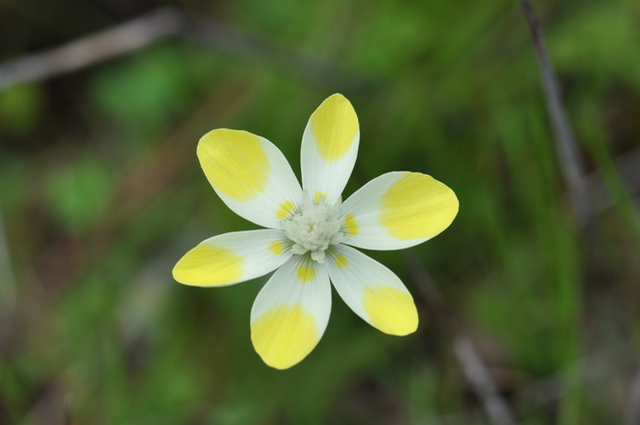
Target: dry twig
{"type": "Point", "coordinates": [632, 412]}
{"type": "Point", "coordinates": [162, 23]}
{"type": "Point", "coordinates": [472, 366]}
{"type": "Point", "coordinates": [565, 142]}
{"type": "Point", "coordinates": [92, 49]}
{"type": "Point", "coordinates": [7, 288]}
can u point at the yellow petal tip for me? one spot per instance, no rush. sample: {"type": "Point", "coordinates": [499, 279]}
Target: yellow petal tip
{"type": "Point", "coordinates": [417, 206]}
{"type": "Point", "coordinates": [390, 310]}
{"type": "Point", "coordinates": [284, 336]}
{"type": "Point", "coordinates": [335, 127]}
{"type": "Point", "coordinates": [235, 163]}
{"type": "Point", "coordinates": [209, 265]}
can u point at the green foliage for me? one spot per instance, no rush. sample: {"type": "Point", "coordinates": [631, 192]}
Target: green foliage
{"type": "Point", "coordinates": [21, 107]}
{"type": "Point", "coordinates": [78, 193]}
{"type": "Point", "coordinates": [102, 193]}
{"type": "Point", "coordinates": [145, 92]}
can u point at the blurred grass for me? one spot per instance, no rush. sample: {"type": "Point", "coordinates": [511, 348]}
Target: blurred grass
{"type": "Point", "coordinates": [101, 193]}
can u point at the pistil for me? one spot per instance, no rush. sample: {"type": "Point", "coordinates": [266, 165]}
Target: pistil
{"type": "Point", "coordinates": [314, 228]}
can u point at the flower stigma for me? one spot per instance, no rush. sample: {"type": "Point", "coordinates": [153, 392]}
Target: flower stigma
{"type": "Point", "coordinates": [314, 228]}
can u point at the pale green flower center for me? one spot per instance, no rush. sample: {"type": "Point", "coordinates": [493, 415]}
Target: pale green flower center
{"type": "Point", "coordinates": [315, 228]}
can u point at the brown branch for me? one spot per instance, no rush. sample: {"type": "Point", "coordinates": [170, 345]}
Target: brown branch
{"type": "Point", "coordinates": [91, 49]}
{"type": "Point", "coordinates": [68, 416]}
{"type": "Point", "coordinates": [548, 390]}
{"type": "Point", "coordinates": [7, 289]}
{"type": "Point", "coordinates": [632, 412]}
{"type": "Point", "coordinates": [165, 22]}
{"type": "Point", "coordinates": [566, 146]}
{"type": "Point", "coordinates": [495, 406]}
{"type": "Point", "coordinates": [476, 372]}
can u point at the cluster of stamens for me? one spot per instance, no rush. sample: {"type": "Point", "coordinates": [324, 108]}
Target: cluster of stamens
{"type": "Point", "coordinates": [314, 228]}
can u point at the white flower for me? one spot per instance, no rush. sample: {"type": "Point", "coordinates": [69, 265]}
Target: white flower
{"type": "Point", "coordinates": [310, 233]}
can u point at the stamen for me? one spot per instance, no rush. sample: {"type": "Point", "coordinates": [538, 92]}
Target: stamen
{"type": "Point", "coordinates": [315, 228]}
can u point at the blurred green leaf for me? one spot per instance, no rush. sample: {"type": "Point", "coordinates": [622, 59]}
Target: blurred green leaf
{"type": "Point", "coordinates": [78, 193]}
{"type": "Point", "coordinates": [21, 107]}
{"type": "Point", "coordinates": [145, 92]}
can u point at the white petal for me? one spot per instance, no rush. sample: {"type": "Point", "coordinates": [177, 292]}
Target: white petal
{"type": "Point", "coordinates": [329, 149]}
{"type": "Point", "coordinates": [291, 312]}
{"type": "Point", "coordinates": [398, 210]}
{"type": "Point", "coordinates": [233, 258]}
{"type": "Point", "coordinates": [372, 291]}
{"type": "Point", "coordinates": [251, 176]}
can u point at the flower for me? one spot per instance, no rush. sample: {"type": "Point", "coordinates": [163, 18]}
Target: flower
{"type": "Point", "coordinates": [310, 234]}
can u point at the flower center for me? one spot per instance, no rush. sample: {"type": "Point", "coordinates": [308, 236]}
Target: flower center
{"type": "Point", "coordinates": [314, 228]}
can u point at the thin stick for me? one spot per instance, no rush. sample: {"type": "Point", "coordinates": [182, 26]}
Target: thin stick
{"type": "Point", "coordinates": [165, 22]}
{"type": "Point", "coordinates": [565, 142]}
{"type": "Point", "coordinates": [68, 416]}
{"type": "Point", "coordinates": [632, 412]}
{"type": "Point", "coordinates": [7, 288]}
{"type": "Point", "coordinates": [476, 372]}
{"type": "Point", "coordinates": [478, 375]}
{"type": "Point", "coordinates": [92, 49]}
{"type": "Point", "coordinates": [594, 367]}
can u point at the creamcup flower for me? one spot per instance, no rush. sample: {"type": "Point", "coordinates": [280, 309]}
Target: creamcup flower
{"type": "Point", "coordinates": [310, 234]}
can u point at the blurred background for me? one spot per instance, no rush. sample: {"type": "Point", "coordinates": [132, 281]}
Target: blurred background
{"type": "Point", "coordinates": [101, 193]}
